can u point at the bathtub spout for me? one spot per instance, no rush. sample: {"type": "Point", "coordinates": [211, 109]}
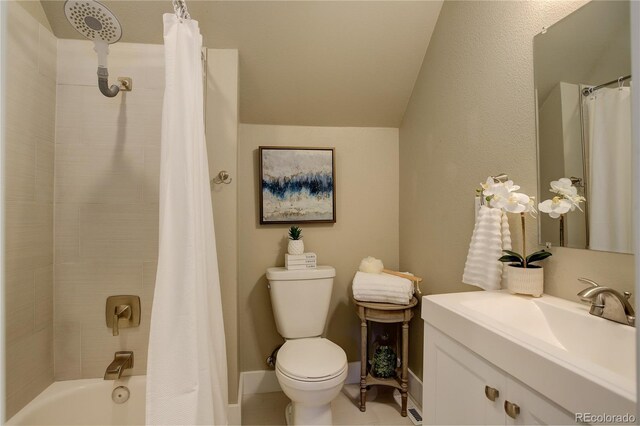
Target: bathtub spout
{"type": "Point", "coordinates": [122, 360]}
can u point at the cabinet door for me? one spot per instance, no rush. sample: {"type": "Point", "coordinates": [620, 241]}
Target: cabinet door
{"type": "Point", "coordinates": [454, 384]}
{"type": "Point", "coordinates": [535, 409]}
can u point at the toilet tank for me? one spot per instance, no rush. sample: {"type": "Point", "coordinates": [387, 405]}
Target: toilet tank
{"type": "Point", "coordinates": [300, 300]}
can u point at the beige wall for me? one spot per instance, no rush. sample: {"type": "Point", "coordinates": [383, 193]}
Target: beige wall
{"type": "Point", "coordinates": [222, 147]}
{"type": "Point", "coordinates": [472, 115]}
{"type": "Point", "coordinates": [29, 149]}
{"type": "Point", "coordinates": [367, 224]}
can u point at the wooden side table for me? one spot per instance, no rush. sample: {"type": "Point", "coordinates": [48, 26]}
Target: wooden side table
{"type": "Point", "coordinates": [385, 313]}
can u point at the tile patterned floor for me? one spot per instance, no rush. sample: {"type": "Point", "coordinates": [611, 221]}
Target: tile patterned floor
{"type": "Point", "coordinates": [382, 409]}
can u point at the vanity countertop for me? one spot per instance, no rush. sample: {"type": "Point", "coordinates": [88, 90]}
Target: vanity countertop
{"type": "Point", "coordinates": [582, 362]}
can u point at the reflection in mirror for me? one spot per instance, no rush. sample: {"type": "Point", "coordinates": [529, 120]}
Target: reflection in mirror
{"type": "Point", "coordinates": [582, 68]}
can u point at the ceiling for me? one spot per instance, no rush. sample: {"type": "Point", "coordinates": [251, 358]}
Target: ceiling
{"type": "Point", "coordinates": [314, 63]}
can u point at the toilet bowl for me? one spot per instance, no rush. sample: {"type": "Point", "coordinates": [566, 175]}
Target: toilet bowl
{"type": "Point", "coordinates": [311, 370]}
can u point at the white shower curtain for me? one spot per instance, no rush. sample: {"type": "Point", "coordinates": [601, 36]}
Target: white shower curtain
{"type": "Point", "coordinates": [187, 366]}
{"type": "Point", "coordinates": [608, 133]}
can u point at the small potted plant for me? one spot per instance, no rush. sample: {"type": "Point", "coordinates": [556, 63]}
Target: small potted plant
{"type": "Point", "coordinates": [522, 276]}
{"type": "Point", "coordinates": [296, 245]}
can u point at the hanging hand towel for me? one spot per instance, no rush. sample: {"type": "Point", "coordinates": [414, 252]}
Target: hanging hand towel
{"type": "Point", "coordinates": [490, 236]}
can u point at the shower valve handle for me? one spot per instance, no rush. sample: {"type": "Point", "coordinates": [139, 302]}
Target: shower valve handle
{"type": "Point", "coordinates": [121, 311]}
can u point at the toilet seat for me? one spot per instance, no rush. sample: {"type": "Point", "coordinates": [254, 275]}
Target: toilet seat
{"type": "Point", "coordinates": [311, 360]}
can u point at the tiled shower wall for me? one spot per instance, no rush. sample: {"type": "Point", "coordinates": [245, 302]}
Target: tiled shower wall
{"type": "Point", "coordinates": [106, 202]}
{"type": "Point", "coordinates": [29, 160]}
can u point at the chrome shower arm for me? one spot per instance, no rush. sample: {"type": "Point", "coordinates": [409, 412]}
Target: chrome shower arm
{"type": "Point", "coordinates": [103, 83]}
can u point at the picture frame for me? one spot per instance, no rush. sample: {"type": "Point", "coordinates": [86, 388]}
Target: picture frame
{"type": "Point", "coordinates": [297, 185]}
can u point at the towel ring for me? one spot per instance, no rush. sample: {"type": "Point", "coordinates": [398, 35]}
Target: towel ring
{"type": "Point", "coordinates": [222, 177]}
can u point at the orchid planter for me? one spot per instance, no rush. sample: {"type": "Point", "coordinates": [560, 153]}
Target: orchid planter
{"type": "Point", "coordinates": [528, 280]}
{"type": "Point", "coordinates": [522, 276]}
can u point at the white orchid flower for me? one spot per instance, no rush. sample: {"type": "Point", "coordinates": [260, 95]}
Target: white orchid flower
{"type": "Point", "coordinates": [511, 202]}
{"type": "Point", "coordinates": [491, 187]}
{"type": "Point", "coordinates": [488, 188]}
{"type": "Point", "coordinates": [567, 194]}
{"type": "Point", "coordinates": [503, 196]}
{"type": "Point", "coordinates": [564, 186]}
{"type": "Point", "coordinates": [575, 201]}
{"type": "Point", "coordinates": [556, 207]}
{"type": "Point", "coordinates": [510, 186]}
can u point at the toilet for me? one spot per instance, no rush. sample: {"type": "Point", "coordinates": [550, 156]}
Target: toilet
{"type": "Point", "coordinates": [310, 369]}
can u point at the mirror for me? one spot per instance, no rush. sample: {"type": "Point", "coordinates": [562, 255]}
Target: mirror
{"type": "Point", "coordinates": [582, 71]}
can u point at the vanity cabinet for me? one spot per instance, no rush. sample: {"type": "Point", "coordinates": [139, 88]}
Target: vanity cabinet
{"type": "Point", "coordinates": [461, 387]}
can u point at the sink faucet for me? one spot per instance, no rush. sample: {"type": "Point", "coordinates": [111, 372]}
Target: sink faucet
{"type": "Point", "coordinates": [608, 303]}
{"type": "Point", "coordinates": [122, 360]}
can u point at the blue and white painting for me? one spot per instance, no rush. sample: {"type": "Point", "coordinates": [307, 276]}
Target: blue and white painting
{"type": "Point", "coordinates": [297, 185]}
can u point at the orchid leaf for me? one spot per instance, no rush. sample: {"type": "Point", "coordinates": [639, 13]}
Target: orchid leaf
{"type": "Point", "coordinates": [513, 253]}
{"type": "Point", "coordinates": [509, 258]}
{"type": "Point", "coordinates": [537, 256]}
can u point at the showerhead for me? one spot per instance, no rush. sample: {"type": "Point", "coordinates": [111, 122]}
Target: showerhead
{"type": "Point", "coordinates": [93, 20]}
{"type": "Point", "coordinates": [97, 23]}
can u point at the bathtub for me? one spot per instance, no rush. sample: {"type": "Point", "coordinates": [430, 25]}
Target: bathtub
{"type": "Point", "coordinates": [85, 402]}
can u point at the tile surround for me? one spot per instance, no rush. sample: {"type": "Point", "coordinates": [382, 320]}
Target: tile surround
{"type": "Point", "coordinates": [30, 151]}
{"type": "Point", "coordinates": [101, 204]}
{"type": "Point", "coordinates": [106, 203]}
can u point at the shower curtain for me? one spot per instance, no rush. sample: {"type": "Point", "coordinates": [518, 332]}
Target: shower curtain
{"type": "Point", "coordinates": [187, 366]}
{"type": "Point", "coordinates": [608, 134]}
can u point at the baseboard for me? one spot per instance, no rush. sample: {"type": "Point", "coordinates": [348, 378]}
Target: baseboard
{"type": "Point", "coordinates": [234, 411]}
{"type": "Point", "coordinates": [353, 373]}
{"type": "Point", "coordinates": [259, 381]}
{"type": "Point", "coordinates": [264, 381]}
{"type": "Point", "coordinates": [415, 388]}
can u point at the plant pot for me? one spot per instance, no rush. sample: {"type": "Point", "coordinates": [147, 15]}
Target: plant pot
{"type": "Point", "coordinates": [525, 280]}
{"type": "Point", "coordinates": [296, 247]}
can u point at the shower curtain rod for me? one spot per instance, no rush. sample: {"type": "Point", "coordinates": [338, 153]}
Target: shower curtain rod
{"type": "Point", "coordinates": [589, 90]}
{"type": "Point", "coordinates": [180, 8]}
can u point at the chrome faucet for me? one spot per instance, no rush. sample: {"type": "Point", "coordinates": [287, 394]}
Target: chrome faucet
{"type": "Point", "coordinates": [122, 360]}
{"type": "Point", "coordinates": [608, 303]}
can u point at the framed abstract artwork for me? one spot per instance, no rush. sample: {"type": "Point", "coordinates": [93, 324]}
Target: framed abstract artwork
{"type": "Point", "coordinates": [297, 185]}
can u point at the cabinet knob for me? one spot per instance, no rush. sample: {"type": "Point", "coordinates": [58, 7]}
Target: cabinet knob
{"type": "Point", "coordinates": [511, 409]}
{"type": "Point", "coordinates": [491, 393]}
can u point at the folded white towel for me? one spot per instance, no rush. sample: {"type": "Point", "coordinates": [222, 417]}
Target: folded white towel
{"type": "Point", "coordinates": [382, 299]}
{"type": "Point", "coordinates": [382, 288]}
{"type": "Point", "coordinates": [490, 236]}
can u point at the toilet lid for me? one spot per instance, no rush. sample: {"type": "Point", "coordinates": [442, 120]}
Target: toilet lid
{"type": "Point", "coordinates": [313, 359]}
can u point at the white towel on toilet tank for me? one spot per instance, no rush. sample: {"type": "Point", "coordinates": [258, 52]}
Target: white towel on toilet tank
{"type": "Point", "coordinates": [490, 236]}
{"type": "Point", "coordinates": [382, 288]}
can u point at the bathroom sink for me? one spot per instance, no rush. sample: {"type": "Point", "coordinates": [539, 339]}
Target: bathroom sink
{"type": "Point", "coordinates": [584, 362]}
{"type": "Point", "coordinates": [565, 325]}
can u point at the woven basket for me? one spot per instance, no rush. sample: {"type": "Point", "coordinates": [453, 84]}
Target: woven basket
{"type": "Point", "coordinates": [525, 280]}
